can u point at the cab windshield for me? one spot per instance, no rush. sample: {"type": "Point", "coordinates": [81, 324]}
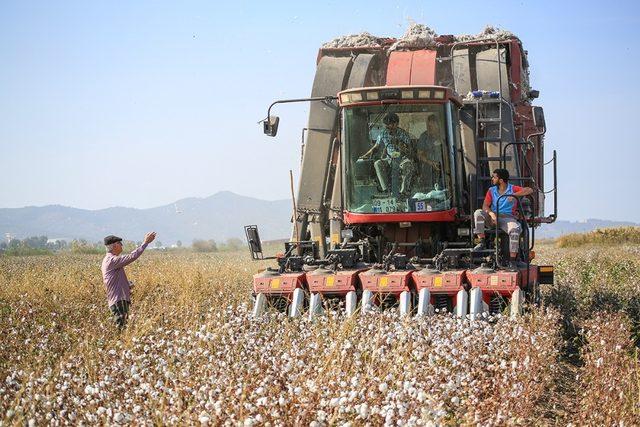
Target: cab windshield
{"type": "Point", "coordinates": [396, 159]}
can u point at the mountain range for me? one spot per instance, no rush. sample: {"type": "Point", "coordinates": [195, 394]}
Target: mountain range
{"type": "Point", "coordinates": [219, 217]}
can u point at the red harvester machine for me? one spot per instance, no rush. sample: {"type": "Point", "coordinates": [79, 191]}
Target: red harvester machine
{"type": "Point", "coordinates": [395, 229]}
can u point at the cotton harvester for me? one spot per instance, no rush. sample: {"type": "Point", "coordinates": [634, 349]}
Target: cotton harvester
{"type": "Point", "coordinates": [376, 228]}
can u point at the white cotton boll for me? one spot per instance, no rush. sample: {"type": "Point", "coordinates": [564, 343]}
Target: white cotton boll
{"type": "Point", "coordinates": [249, 422]}
{"type": "Point", "coordinates": [32, 423]}
{"type": "Point", "coordinates": [118, 417]}
{"type": "Point", "coordinates": [218, 408]}
{"type": "Point", "coordinates": [363, 411]}
{"type": "Point", "coordinates": [204, 418]}
{"type": "Point", "coordinates": [388, 419]}
{"type": "Point", "coordinates": [383, 387]}
{"type": "Point", "coordinates": [137, 409]}
{"type": "Point", "coordinates": [101, 410]}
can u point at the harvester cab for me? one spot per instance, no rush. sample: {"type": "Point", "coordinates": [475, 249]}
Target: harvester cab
{"type": "Point", "coordinates": [395, 163]}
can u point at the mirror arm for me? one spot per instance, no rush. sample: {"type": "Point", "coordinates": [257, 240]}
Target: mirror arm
{"type": "Point", "coordinates": [287, 101]}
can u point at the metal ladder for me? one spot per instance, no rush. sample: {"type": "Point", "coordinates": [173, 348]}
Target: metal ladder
{"type": "Point", "coordinates": [488, 126]}
{"type": "Point", "coordinates": [488, 131]}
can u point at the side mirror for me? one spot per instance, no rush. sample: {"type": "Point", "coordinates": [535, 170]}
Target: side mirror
{"type": "Point", "coordinates": [538, 117]}
{"type": "Point", "coordinates": [270, 125]}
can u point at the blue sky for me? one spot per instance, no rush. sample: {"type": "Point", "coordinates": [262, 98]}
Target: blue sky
{"type": "Point", "coordinates": [143, 103]}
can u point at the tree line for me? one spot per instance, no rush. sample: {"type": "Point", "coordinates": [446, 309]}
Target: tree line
{"type": "Point", "coordinates": [42, 245]}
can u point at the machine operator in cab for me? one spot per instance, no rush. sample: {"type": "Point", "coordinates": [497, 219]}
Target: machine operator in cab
{"type": "Point", "coordinates": [396, 143]}
{"type": "Point", "coordinates": [429, 152]}
{"type": "Point", "coordinates": [507, 208]}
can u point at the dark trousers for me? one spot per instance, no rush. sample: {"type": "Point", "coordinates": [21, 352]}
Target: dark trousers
{"type": "Point", "coordinates": [120, 311]}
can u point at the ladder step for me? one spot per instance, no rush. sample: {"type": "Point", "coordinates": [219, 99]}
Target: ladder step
{"type": "Point", "coordinates": [490, 139]}
{"type": "Point", "coordinates": [490, 120]}
{"type": "Point", "coordinates": [494, 159]}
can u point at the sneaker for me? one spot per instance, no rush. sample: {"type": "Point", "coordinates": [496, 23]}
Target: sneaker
{"type": "Point", "coordinates": [480, 246]}
{"type": "Point", "coordinates": [512, 265]}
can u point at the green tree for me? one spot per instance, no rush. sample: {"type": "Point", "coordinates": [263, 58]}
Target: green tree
{"type": "Point", "coordinates": [81, 246]}
{"type": "Point", "coordinates": [233, 244]}
{"type": "Point", "coordinates": [204, 246]}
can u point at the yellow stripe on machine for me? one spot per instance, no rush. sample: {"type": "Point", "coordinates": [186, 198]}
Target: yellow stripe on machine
{"type": "Point", "coordinates": [384, 282]}
{"type": "Point", "coordinates": [546, 269]}
{"type": "Point", "coordinates": [275, 284]}
{"type": "Point", "coordinates": [329, 281]}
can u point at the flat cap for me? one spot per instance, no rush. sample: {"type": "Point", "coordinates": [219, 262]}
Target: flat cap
{"type": "Point", "coordinates": [112, 239]}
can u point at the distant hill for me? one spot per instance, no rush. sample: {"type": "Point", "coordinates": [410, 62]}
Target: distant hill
{"type": "Point", "coordinates": [560, 228]}
{"type": "Point", "coordinates": [217, 217]}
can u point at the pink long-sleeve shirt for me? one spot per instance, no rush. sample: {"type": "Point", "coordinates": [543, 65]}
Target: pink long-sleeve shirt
{"type": "Point", "coordinates": [114, 277]}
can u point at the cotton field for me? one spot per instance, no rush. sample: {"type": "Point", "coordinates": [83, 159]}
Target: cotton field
{"type": "Point", "coordinates": [192, 353]}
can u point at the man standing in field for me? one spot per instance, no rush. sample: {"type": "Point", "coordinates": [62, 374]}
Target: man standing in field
{"type": "Point", "coordinates": [115, 279]}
